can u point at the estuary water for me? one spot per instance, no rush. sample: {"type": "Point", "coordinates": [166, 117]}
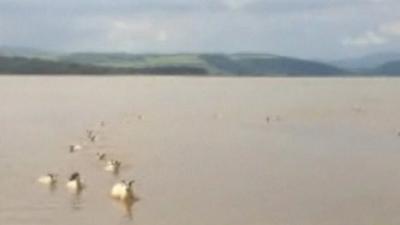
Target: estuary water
{"type": "Point", "coordinates": [202, 151]}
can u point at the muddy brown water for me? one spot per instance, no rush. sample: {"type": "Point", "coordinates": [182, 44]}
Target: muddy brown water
{"type": "Point", "coordinates": [203, 151]}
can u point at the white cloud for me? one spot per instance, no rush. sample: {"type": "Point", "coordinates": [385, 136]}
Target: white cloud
{"type": "Point", "coordinates": [162, 35]}
{"type": "Point", "coordinates": [237, 4]}
{"type": "Point", "coordinates": [383, 34]}
{"type": "Point", "coordinates": [286, 27]}
{"type": "Point", "coordinates": [136, 31]}
{"type": "Point", "coordinates": [391, 29]}
{"type": "Point", "coordinates": [367, 39]}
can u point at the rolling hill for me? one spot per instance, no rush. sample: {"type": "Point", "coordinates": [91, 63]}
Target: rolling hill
{"type": "Point", "coordinates": [25, 61]}
{"type": "Point", "coordinates": [20, 65]}
{"type": "Point", "coordinates": [390, 68]}
{"type": "Point", "coordinates": [219, 64]}
{"type": "Point", "coordinates": [367, 62]}
{"type": "Point", "coordinates": [252, 64]}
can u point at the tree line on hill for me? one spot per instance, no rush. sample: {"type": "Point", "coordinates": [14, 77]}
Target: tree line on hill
{"type": "Point", "coordinates": [39, 62]}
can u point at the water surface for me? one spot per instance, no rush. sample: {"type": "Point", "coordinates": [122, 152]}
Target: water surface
{"type": "Point", "coordinates": [203, 151]}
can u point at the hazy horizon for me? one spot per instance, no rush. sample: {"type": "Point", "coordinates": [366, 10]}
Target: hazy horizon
{"type": "Point", "coordinates": [299, 28]}
{"type": "Point", "coordinates": [327, 60]}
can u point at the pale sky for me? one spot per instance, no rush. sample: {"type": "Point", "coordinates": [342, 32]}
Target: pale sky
{"type": "Point", "coordinates": [302, 28]}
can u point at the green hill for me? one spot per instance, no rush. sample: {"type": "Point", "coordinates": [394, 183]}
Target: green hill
{"type": "Point", "coordinates": [220, 64]}
{"type": "Point", "coordinates": [25, 61]}
{"type": "Point", "coordinates": [131, 60]}
{"type": "Point", "coordinates": [20, 65]}
{"type": "Point", "coordinates": [246, 64]}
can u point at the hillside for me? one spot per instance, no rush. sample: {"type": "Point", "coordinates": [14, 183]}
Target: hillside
{"type": "Point", "coordinates": [222, 64]}
{"type": "Point", "coordinates": [367, 62]}
{"type": "Point", "coordinates": [390, 68]}
{"type": "Point", "coordinates": [25, 61]}
{"type": "Point", "coordinates": [20, 65]}
{"type": "Point", "coordinates": [250, 64]}
{"type": "Point", "coordinates": [132, 60]}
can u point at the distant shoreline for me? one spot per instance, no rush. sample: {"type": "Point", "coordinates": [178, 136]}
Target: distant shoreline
{"type": "Point", "coordinates": [228, 65]}
{"type": "Point", "coordinates": [197, 75]}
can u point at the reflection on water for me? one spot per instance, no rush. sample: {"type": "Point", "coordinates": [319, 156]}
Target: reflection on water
{"type": "Point", "coordinates": [76, 199]}
{"type": "Point", "coordinates": [52, 187]}
{"type": "Point", "coordinates": [116, 172]}
{"type": "Point", "coordinates": [126, 206]}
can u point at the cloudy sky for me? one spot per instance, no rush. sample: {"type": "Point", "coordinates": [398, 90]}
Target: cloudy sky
{"type": "Point", "coordinates": [304, 28]}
